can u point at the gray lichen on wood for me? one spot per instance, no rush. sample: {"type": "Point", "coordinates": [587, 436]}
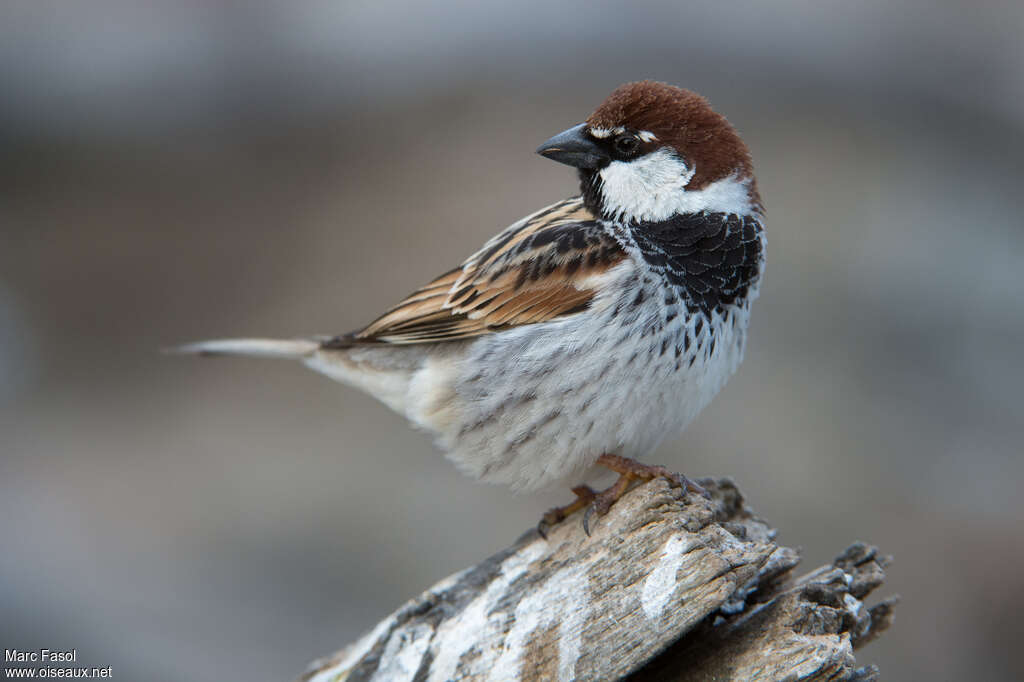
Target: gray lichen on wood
{"type": "Point", "coordinates": [667, 587]}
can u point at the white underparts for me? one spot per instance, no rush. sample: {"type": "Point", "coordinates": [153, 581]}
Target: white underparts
{"type": "Point", "coordinates": [653, 188]}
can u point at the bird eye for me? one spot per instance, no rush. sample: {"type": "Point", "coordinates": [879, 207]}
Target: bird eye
{"type": "Point", "coordinates": [627, 144]}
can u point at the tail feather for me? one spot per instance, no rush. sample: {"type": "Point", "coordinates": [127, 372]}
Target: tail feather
{"type": "Point", "coordinates": [293, 349]}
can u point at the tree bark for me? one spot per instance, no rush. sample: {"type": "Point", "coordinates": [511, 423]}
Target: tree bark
{"type": "Point", "coordinates": [666, 587]}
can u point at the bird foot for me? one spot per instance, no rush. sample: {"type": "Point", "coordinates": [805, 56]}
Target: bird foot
{"type": "Point", "coordinates": [646, 472]}
{"type": "Point", "coordinates": [630, 470]}
{"type": "Point", "coordinates": [600, 503]}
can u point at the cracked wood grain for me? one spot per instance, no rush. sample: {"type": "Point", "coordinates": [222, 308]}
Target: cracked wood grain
{"type": "Point", "coordinates": [667, 587]}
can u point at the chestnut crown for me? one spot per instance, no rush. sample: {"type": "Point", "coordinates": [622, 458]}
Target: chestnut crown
{"type": "Point", "coordinates": [677, 118]}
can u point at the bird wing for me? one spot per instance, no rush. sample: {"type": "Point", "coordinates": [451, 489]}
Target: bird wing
{"type": "Point", "coordinates": [539, 269]}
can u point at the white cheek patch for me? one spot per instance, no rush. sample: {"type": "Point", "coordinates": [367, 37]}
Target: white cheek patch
{"type": "Point", "coordinates": [646, 188]}
{"type": "Point", "coordinates": [653, 188]}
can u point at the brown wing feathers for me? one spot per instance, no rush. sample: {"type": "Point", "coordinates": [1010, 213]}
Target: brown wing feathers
{"type": "Point", "coordinates": [534, 271]}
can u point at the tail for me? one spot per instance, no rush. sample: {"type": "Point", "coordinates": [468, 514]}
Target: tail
{"type": "Point", "coordinates": [290, 349]}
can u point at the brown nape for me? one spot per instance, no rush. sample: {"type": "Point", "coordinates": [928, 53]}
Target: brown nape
{"type": "Point", "coordinates": [684, 120]}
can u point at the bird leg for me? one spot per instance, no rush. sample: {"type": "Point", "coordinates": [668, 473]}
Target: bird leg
{"type": "Point", "coordinates": [584, 496]}
{"type": "Point", "coordinates": [630, 470]}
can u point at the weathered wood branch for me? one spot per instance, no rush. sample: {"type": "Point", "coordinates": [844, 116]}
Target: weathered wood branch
{"type": "Point", "coordinates": [667, 587]}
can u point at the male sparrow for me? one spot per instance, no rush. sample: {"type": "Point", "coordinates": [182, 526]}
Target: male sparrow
{"type": "Point", "coordinates": [588, 331]}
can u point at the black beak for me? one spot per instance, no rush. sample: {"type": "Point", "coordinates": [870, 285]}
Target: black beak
{"type": "Point", "coordinates": [575, 148]}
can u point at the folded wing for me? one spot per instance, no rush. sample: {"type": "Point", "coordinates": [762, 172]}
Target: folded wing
{"type": "Point", "coordinates": [539, 269]}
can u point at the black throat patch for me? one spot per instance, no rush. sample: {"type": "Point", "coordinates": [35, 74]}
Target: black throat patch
{"type": "Point", "coordinates": [712, 258]}
{"type": "Point", "coordinates": [590, 188]}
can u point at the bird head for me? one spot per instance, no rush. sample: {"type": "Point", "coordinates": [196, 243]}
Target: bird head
{"type": "Point", "coordinates": [651, 151]}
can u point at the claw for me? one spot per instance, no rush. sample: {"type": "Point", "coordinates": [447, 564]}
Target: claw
{"type": "Point", "coordinates": [586, 519]}
{"type": "Point", "coordinates": [689, 485]}
{"type": "Point", "coordinates": [542, 528]}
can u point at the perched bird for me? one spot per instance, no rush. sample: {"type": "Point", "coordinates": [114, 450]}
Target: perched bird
{"type": "Point", "coordinates": [589, 331]}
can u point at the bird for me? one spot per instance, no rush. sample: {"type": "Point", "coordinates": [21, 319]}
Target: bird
{"type": "Point", "coordinates": [588, 332]}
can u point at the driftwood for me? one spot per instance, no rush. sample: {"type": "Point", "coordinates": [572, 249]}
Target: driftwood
{"type": "Point", "coordinates": [667, 587]}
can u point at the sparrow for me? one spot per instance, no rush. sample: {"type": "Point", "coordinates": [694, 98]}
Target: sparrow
{"type": "Point", "coordinates": [588, 332]}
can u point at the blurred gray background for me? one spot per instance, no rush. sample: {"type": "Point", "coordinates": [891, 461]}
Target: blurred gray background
{"type": "Point", "coordinates": [174, 171]}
